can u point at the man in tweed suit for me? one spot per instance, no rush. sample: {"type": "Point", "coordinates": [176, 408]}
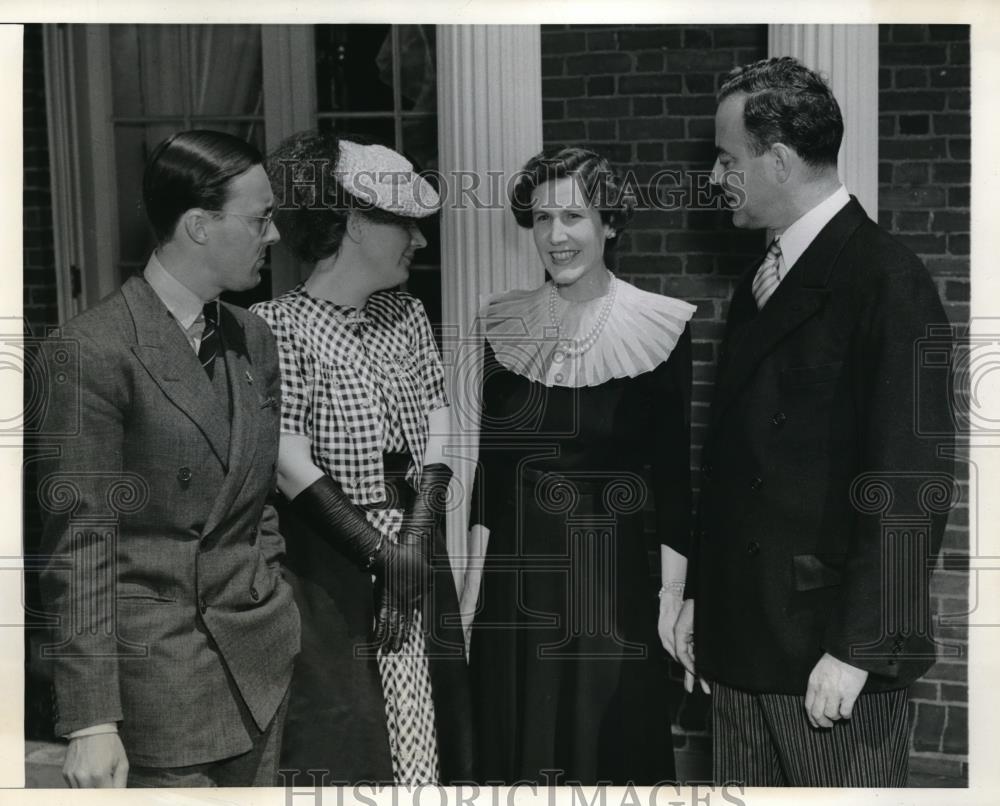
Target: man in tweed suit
{"type": "Point", "coordinates": [809, 617]}
{"type": "Point", "coordinates": [176, 632]}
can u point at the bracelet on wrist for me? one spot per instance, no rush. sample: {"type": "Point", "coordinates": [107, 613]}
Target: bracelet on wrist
{"type": "Point", "coordinates": [672, 589]}
{"type": "Point", "coordinates": [370, 562]}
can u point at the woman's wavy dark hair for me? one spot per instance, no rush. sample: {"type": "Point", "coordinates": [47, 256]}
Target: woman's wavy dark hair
{"type": "Point", "coordinates": [311, 205]}
{"type": "Point", "coordinates": [602, 187]}
{"type": "Point", "coordinates": [788, 103]}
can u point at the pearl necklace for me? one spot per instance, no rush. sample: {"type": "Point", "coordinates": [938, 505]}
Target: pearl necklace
{"type": "Point", "coordinates": [580, 346]}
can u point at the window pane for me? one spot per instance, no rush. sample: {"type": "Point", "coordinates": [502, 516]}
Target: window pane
{"type": "Point", "coordinates": [417, 68]}
{"type": "Point", "coordinates": [354, 68]}
{"type": "Point", "coordinates": [249, 130]}
{"type": "Point", "coordinates": [133, 145]}
{"type": "Point", "coordinates": [420, 142]}
{"type": "Point", "coordinates": [146, 74]}
{"type": "Point", "coordinates": [379, 130]}
{"type": "Point", "coordinates": [226, 70]}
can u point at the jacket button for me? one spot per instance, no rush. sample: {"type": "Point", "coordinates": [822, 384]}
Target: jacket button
{"type": "Point", "coordinates": [184, 475]}
{"type": "Point", "coordinates": [703, 534]}
{"type": "Point", "coordinates": [253, 594]}
{"type": "Point", "coordinates": [753, 548]}
{"type": "Point", "coordinates": [778, 419]}
{"type": "Point", "coordinates": [756, 483]}
{"type": "Point", "coordinates": [203, 605]}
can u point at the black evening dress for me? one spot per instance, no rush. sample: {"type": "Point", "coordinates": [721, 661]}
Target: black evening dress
{"type": "Point", "coordinates": [570, 678]}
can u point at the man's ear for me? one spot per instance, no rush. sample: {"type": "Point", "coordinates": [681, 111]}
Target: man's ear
{"type": "Point", "coordinates": [783, 158]}
{"type": "Point", "coordinates": [195, 224]}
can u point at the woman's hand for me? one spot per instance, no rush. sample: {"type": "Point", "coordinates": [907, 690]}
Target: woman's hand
{"type": "Point", "coordinates": [478, 539]}
{"type": "Point", "coordinates": [673, 569]}
{"type": "Point", "coordinates": [403, 579]}
{"type": "Point", "coordinates": [670, 607]}
{"type": "Point", "coordinates": [407, 573]}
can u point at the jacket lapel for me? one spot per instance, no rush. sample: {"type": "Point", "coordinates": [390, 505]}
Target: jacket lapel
{"type": "Point", "coordinates": [802, 293]}
{"type": "Point", "coordinates": [246, 406]}
{"type": "Point", "coordinates": [164, 351]}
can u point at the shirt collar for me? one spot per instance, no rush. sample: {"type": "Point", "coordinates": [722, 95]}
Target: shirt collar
{"type": "Point", "coordinates": [797, 237]}
{"type": "Point", "coordinates": [184, 305]}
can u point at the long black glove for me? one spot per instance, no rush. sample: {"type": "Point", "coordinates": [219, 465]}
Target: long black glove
{"type": "Point", "coordinates": [403, 566]}
{"type": "Point", "coordinates": [399, 600]}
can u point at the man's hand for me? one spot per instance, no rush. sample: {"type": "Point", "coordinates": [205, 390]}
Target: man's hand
{"type": "Point", "coordinates": [684, 645]}
{"type": "Point", "coordinates": [96, 762]}
{"type": "Point", "coordinates": [833, 688]}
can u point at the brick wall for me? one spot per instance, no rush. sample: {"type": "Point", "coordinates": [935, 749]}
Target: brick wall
{"type": "Point", "coordinates": [924, 173]}
{"type": "Point", "coordinates": [40, 306]}
{"type": "Point", "coordinates": [40, 313]}
{"type": "Point", "coordinates": [645, 97]}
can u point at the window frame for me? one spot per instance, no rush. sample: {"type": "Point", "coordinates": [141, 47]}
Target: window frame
{"type": "Point", "coordinates": [82, 145]}
{"type": "Point", "coordinates": [82, 138]}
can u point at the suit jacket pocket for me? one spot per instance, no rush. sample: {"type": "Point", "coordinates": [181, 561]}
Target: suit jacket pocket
{"type": "Point", "coordinates": [797, 377]}
{"type": "Point", "coordinates": [141, 592]}
{"type": "Point", "coordinates": [812, 571]}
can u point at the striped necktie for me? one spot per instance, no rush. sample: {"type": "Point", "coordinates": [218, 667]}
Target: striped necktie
{"type": "Point", "coordinates": [767, 277]}
{"type": "Point", "coordinates": [209, 347]}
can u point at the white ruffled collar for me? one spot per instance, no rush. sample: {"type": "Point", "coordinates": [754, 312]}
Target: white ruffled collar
{"type": "Point", "coordinates": [640, 331]}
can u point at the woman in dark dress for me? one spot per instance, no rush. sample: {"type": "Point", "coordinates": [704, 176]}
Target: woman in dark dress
{"type": "Point", "coordinates": [585, 423]}
{"type": "Point", "coordinates": [362, 471]}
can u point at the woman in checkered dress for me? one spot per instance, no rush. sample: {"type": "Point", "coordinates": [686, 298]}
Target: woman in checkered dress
{"type": "Point", "coordinates": [379, 692]}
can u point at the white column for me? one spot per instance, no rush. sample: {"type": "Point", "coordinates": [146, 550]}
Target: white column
{"type": "Point", "coordinates": [489, 120]}
{"type": "Point", "coordinates": [847, 55]}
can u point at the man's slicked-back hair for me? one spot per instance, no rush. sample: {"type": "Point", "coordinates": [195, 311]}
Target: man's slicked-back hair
{"type": "Point", "coordinates": [192, 169]}
{"type": "Point", "coordinates": [788, 103]}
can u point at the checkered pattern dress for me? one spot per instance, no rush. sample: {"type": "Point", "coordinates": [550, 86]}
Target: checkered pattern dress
{"type": "Point", "coordinates": [359, 383]}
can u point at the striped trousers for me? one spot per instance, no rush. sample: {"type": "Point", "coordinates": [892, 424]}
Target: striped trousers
{"type": "Point", "coordinates": [766, 740]}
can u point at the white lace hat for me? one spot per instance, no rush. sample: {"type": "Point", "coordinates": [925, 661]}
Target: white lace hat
{"type": "Point", "coordinates": [384, 179]}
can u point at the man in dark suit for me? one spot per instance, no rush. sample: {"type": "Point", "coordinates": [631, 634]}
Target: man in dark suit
{"type": "Point", "coordinates": [176, 632]}
{"type": "Point", "coordinates": [822, 504]}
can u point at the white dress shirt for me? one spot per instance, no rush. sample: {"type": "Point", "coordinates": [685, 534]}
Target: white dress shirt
{"type": "Point", "coordinates": [184, 305]}
{"type": "Point", "coordinates": [796, 237]}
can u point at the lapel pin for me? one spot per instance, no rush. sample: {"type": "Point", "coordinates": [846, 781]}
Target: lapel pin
{"type": "Point", "coordinates": [249, 376]}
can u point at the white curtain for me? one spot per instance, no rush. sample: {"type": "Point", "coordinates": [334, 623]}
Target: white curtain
{"type": "Point", "coordinates": [226, 71]}
{"type": "Point", "coordinates": [198, 70]}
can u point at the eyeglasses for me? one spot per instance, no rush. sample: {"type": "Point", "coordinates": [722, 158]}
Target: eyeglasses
{"type": "Point", "coordinates": [262, 227]}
